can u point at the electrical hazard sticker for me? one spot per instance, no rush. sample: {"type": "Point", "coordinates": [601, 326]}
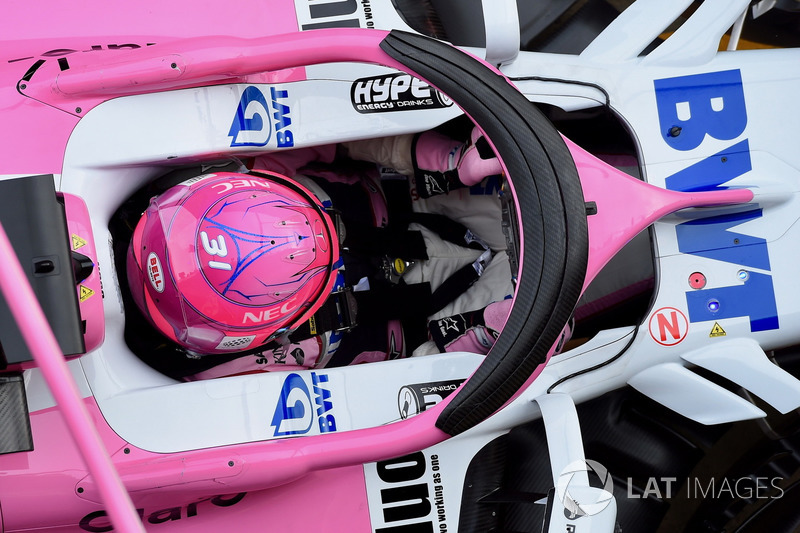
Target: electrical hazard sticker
{"type": "Point", "coordinates": [717, 331]}
{"type": "Point", "coordinates": [85, 292]}
{"type": "Point", "coordinates": [78, 242]}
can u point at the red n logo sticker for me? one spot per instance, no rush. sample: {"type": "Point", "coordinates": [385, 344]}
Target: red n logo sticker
{"type": "Point", "coordinates": [668, 326]}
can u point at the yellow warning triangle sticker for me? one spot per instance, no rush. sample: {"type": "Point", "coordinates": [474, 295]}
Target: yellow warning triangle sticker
{"type": "Point", "coordinates": [717, 331]}
{"type": "Point", "coordinates": [77, 242]}
{"type": "Point", "coordinates": [86, 293]}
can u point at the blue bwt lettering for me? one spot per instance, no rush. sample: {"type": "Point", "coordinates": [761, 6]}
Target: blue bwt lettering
{"type": "Point", "coordinates": [689, 109]}
{"type": "Point", "coordinates": [700, 104]}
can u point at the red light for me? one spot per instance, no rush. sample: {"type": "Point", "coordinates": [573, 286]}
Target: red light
{"type": "Point", "coordinates": [697, 280]}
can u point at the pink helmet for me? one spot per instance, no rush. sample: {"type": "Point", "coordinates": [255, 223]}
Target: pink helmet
{"type": "Point", "coordinates": [225, 261]}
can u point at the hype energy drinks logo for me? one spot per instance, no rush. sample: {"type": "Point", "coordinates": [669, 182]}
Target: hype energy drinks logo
{"type": "Point", "coordinates": [395, 92]}
{"type": "Point", "coordinates": [690, 110]}
{"type": "Point", "coordinates": [418, 397]}
{"type": "Point", "coordinates": [304, 407]}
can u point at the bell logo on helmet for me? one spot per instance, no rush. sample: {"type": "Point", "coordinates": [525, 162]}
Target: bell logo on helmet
{"type": "Point", "coordinates": [154, 272]}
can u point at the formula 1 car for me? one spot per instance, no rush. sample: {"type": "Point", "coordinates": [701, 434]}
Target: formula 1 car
{"type": "Point", "coordinates": [649, 193]}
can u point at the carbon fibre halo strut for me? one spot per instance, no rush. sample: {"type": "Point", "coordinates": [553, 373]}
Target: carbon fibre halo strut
{"type": "Point", "coordinates": [554, 227]}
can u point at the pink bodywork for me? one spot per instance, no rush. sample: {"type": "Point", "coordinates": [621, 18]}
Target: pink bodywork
{"type": "Point", "coordinates": [292, 484]}
{"type": "Point", "coordinates": [89, 290]}
{"type": "Point", "coordinates": [34, 136]}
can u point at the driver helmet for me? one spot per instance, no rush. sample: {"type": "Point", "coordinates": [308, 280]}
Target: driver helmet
{"type": "Point", "coordinates": [225, 262]}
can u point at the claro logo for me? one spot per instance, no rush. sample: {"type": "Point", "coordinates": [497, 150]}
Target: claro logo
{"type": "Point", "coordinates": [97, 522]}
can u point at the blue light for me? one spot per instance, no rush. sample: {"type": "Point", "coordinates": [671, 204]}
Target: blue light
{"type": "Point", "coordinates": [743, 275]}
{"type": "Point", "coordinates": [713, 305]}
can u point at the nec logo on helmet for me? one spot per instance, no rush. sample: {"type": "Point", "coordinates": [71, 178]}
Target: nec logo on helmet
{"type": "Point", "coordinates": [270, 314]}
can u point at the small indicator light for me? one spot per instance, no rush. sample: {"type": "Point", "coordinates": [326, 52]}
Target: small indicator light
{"type": "Point", "coordinates": [697, 280]}
{"type": "Point", "coordinates": [713, 305]}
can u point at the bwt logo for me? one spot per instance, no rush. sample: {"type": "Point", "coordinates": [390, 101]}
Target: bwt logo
{"type": "Point", "coordinates": [255, 117]}
{"type": "Point", "coordinates": [296, 411]}
{"type": "Point", "coordinates": [689, 109]}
